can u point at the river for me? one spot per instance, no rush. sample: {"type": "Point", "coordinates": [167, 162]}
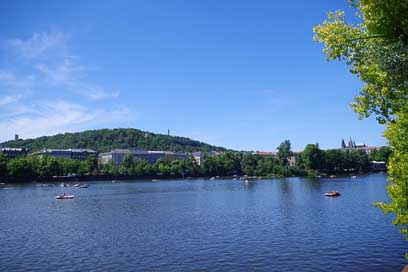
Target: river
{"type": "Point", "coordinates": [184, 225]}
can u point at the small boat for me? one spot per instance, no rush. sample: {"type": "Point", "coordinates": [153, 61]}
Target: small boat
{"type": "Point", "coordinates": [63, 185]}
{"type": "Point", "coordinates": [113, 181]}
{"type": "Point", "coordinates": [354, 177]}
{"type": "Point", "coordinates": [155, 180]}
{"type": "Point", "coordinates": [64, 196]}
{"type": "Point", "coordinates": [332, 176]}
{"type": "Point", "coordinates": [332, 194]}
{"type": "Point", "coordinates": [76, 185]}
{"type": "Point", "coordinates": [212, 178]}
{"type": "Point", "coordinates": [84, 186]}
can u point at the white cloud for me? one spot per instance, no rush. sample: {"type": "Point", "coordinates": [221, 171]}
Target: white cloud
{"type": "Point", "coordinates": [9, 99]}
{"type": "Point", "coordinates": [51, 117]}
{"type": "Point", "coordinates": [72, 76]}
{"type": "Point", "coordinates": [94, 92]}
{"type": "Point", "coordinates": [39, 44]}
{"type": "Point", "coordinates": [14, 83]}
{"type": "Point", "coordinates": [43, 65]}
{"type": "Point", "coordinates": [60, 69]}
{"type": "Point", "coordinates": [67, 72]}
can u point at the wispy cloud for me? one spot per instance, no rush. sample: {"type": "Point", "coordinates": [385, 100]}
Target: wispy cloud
{"type": "Point", "coordinates": [9, 99]}
{"type": "Point", "coordinates": [30, 107]}
{"type": "Point", "coordinates": [66, 72]}
{"type": "Point", "coordinates": [48, 54]}
{"type": "Point", "coordinates": [39, 44]}
{"type": "Point", "coordinates": [14, 83]}
{"type": "Point", "coordinates": [50, 117]}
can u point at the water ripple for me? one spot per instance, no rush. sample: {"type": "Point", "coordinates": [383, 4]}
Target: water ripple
{"type": "Point", "coordinates": [199, 225]}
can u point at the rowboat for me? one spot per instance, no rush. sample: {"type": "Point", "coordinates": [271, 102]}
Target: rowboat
{"type": "Point", "coordinates": [332, 194]}
{"type": "Point", "coordinates": [64, 196]}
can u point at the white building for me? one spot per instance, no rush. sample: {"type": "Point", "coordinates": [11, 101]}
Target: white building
{"type": "Point", "coordinates": [200, 155]}
{"type": "Point", "coordinates": [74, 153]}
{"type": "Point", "coordinates": [118, 155]}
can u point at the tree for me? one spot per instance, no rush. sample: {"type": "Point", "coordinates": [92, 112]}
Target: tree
{"type": "Point", "coordinates": [209, 166]}
{"type": "Point", "coordinates": [141, 168]}
{"type": "Point", "coordinates": [20, 168]}
{"type": "Point", "coordinates": [128, 161]}
{"type": "Point", "coordinates": [69, 166]}
{"type": "Point", "coordinates": [284, 152]}
{"type": "Point", "coordinates": [92, 163]}
{"type": "Point", "coordinates": [249, 164]}
{"type": "Point", "coordinates": [377, 51]}
{"type": "Point", "coordinates": [313, 157]}
{"type": "Point", "coordinates": [382, 154]}
{"type": "Point", "coordinates": [3, 165]}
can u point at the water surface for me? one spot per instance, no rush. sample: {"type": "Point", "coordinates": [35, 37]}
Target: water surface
{"type": "Point", "coordinates": [184, 225]}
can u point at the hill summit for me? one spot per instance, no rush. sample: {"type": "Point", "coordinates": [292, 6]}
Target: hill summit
{"type": "Point", "coordinates": [103, 140]}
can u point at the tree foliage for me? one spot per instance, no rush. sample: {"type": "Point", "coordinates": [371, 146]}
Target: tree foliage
{"type": "Point", "coordinates": [310, 162]}
{"type": "Point", "coordinates": [313, 156]}
{"type": "Point", "coordinates": [104, 140]}
{"type": "Point", "coordinates": [284, 152]}
{"type": "Point", "coordinates": [376, 48]}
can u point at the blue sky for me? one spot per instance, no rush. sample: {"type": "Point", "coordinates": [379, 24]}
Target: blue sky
{"type": "Point", "coordinates": [241, 74]}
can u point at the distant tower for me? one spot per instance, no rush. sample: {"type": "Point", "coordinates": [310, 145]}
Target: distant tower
{"type": "Point", "coordinates": [15, 137]}
{"type": "Point", "coordinates": [168, 132]}
{"type": "Point", "coordinates": [343, 143]}
{"type": "Point", "coordinates": [350, 143]}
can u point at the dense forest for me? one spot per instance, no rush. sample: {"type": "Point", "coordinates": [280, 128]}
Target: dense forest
{"type": "Point", "coordinates": [311, 162]}
{"type": "Point", "coordinates": [104, 140]}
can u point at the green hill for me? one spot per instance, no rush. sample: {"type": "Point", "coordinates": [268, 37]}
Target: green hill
{"type": "Point", "coordinates": [103, 140]}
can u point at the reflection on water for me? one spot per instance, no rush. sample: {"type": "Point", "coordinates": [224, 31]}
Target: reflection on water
{"type": "Point", "coordinates": [267, 225]}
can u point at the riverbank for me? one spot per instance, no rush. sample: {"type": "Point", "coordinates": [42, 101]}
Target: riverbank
{"type": "Point", "coordinates": [85, 178]}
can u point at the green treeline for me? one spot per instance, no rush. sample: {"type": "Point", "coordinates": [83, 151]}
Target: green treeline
{"type": "Point", "coordinates": [311, 162]}
{"type": "Point", "coordinates": [103, 140]}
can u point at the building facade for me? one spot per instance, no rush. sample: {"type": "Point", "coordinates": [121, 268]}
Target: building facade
{"type": "Point", "coordinates": [266, 154]}
{"type": "Point", "coordinates": [352, 145]}
{"type": "Point", "coordinates": [75, 154]}
{"type": "Point", "coordinates": [200, 155]}
{"type": "Point", "coordinates": [11, 152]}
{"type": "Point", "coordinates": [117, 156]}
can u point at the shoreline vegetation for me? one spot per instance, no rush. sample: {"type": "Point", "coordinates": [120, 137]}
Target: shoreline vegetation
{"type": "Point", "coordinates": [90, 178]}
{"type": "Point", "coordinates": [312, 162]}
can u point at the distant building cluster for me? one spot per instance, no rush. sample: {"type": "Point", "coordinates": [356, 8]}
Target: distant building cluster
{"type": "Point", "coordinates": [117, 156]}
{"type": "Point", "coordinates": [200, 155]}
{"type": "Point", "coordinates": [12, 152]}
{"type": "Point", "coordinates": [75, 154]}
{"type": "Point", "coordinates": [352, 145]}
